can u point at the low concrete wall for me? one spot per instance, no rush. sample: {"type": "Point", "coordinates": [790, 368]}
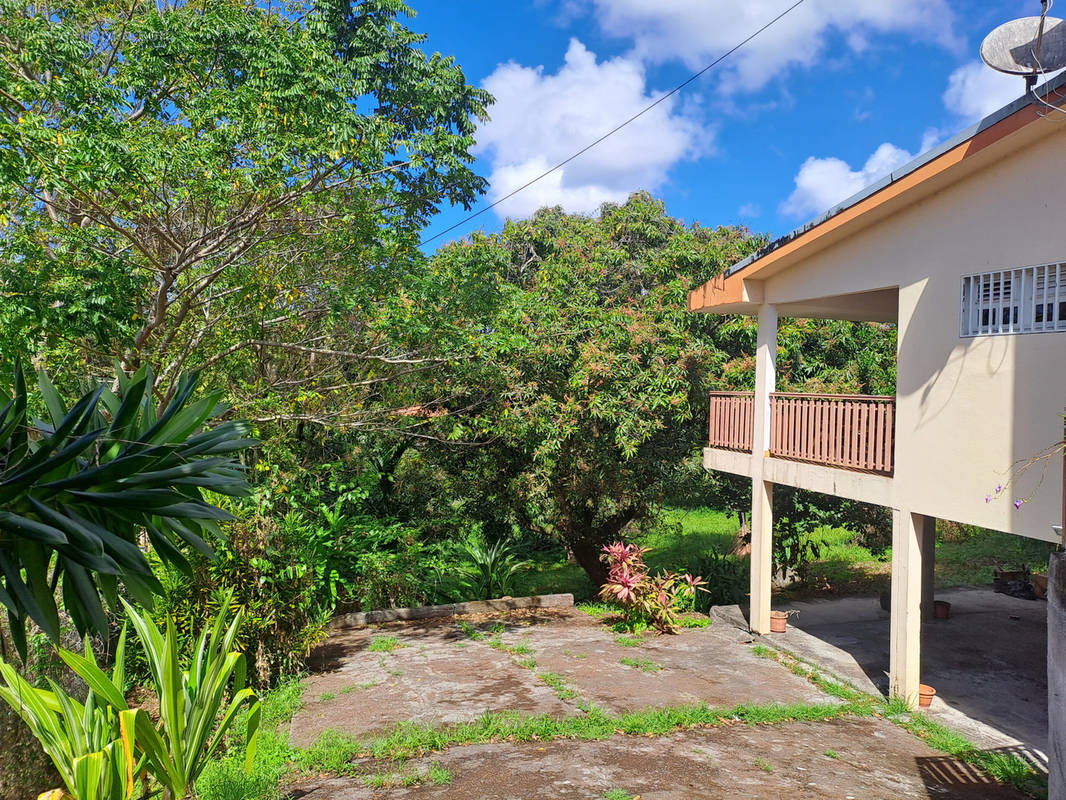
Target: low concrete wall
{"type": "Point", "coordinates": [1056, 676]}
{"type": "Point", "coordinates": [453, 609]}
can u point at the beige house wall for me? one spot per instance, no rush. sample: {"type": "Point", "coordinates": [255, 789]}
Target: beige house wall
{"type": "Point", "coordinates": [969, 410]}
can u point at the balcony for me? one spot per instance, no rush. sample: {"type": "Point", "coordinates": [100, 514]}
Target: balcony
{"type": "Point", "coordinates": [854, 432]}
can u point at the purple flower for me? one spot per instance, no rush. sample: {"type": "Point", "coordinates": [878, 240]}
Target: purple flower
{"type": "Point", "coordinates": [1018, 503]}
{"type": "Point", "coordinates": [999, 488]}
{"type": "Point", "coordinates": [988, 498]}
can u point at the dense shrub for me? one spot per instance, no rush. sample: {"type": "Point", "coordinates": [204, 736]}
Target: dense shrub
{"type": "Point", "coordinates": [726, 580]}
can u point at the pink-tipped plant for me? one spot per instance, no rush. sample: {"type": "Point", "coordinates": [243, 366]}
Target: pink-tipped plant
{"type": "Point", "coordinates": [644, 598]}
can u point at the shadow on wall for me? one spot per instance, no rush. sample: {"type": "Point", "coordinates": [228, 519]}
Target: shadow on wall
{"type": "Point", "coordinates": [989, 402]}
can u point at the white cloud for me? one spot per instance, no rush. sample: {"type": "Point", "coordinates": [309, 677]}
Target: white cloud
{"type": "Point", "coordinates": [821, 183]}
{"type": "Point", "coordinates": [975, 91]}
{"type": "Point", "coordinates": [698, 32]}
{"type": "Point", "coordinates": [540, 119]}
{"type": "Point", "coordinates": [750, 210]}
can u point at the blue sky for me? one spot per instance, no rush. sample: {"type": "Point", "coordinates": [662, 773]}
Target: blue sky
{"type": "Point", "coordinates": [832, 97]}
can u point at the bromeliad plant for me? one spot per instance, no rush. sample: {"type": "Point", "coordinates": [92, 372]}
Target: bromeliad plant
{"type": "Point", "coordinates": [654, 600]}
{"type": "Point", "coordinates": [102, 748]}
{"type": "Point", "coordinates": [490, 569]}
{"type": "Point", "coordinates": [79, 488]}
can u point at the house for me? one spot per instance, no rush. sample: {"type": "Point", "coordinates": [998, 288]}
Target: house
{"type": "Point", "coordinates": [964, 249]}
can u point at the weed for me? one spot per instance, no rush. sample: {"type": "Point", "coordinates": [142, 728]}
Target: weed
{"type": "Point", "coordinates": [643, 664]}
{"type": "Point", "coordinates": [557, 682]}
{"type": "Point", "coordinates": [325, 697]}
{"type": "Point", "coordinates": [617, 794]}
{"type": "Point", "coordinates": [830, 686]}
{"type": "Point", "coordinates": [629, 641]}
{"type": "Point", "coordinates": [470, 631]}
{"type": "Point", "coordinates": [764, 765]}
{"type": "Point", "coordinates": [497, 627]}
{"type": "Point", "coordinates": [384, 644]}
{"type": "Point", "coordinates": [334, 752]}
{"type": "Point", "coordinates": [514, 649]}
{"type": "Point", "coordinates": [572, 654]}
{"type": "Point", "coordinates": [594, 609]}
{"type": "Point", "coordinates": [623, 626]}
{"type": "Point", "coordinates": [384, 664]}
{"type": "Point", "coordinates": [831, 754]}
{"type": "Point", "coordinates": [527, 663]}
{"type": "Point", "coordinates": [359, 687]}
{"type": "Point", "coordinates": [694, 622]}
{"type": "Point", "coordinates": [896, 707]}
{"type": "Point", "coordinates": [391, 780]}
{"type": "Point", "coordinates": [440, 775]}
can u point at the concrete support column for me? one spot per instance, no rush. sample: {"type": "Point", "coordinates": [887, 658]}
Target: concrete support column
{"type": "Point", "coordinates": [765, 378]}
{"type": "Point", "coordinates": [927, 531]}
{"type": "Point", "coordinates": [762, 492]}
{"type": "Point", "coordinates": [1056, 677]}
{"type": "Point", "coordinates": [905, 625]}
{"type": "Point", "coordinates": [762, 547]}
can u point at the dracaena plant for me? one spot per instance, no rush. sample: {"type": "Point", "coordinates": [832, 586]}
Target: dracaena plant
{"type": "Point", "coordinates": [79, 487]}
{"type": "Point", "coordinates": [644, 598]}
{"type": "Point", "coordinates": [102, 748]}
{"type": "Point", "coordinates": [198, 705]}
{"type": "Point", "coordinates": [91, 744]}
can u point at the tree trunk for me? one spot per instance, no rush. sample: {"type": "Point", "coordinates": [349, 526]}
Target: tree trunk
{"type": "Point", "coordinates": [587, 555]}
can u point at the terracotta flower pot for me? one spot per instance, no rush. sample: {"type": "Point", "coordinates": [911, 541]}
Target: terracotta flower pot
{"type": "Point", "coordinates": [778, 621]}
{"type": "Point", "coordinates": [941, 609]}
{"type": "Point", "coordinates": [925, 695]}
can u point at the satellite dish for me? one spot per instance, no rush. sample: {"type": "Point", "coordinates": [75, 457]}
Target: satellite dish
{"type": "Point", "coordinates": [1029, 46]}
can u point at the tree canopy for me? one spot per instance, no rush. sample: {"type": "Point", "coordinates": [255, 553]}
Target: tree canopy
{"type": "Point", "coordinates": [581, 370]}
{"type": "Point", "coordinates": [225, 185]}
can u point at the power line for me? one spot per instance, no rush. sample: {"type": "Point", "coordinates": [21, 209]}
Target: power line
{"type": "Point", "coordinates": [618, 127]}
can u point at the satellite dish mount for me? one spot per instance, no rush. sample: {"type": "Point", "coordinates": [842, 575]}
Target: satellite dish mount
{"type": "Point", "coordinates": [1029, 47]}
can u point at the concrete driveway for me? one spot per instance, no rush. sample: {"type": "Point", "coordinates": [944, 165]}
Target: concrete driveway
{"type": "Point", "coordinates": [987, 662]}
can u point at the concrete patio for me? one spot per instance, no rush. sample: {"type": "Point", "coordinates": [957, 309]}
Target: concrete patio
{"type": "Point", "coordinates": [440, 672]}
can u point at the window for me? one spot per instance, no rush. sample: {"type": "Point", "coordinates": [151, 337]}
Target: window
{"type": "Point", "coordinates": [1026, 300]}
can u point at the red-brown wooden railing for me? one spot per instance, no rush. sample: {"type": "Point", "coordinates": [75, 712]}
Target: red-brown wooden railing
{"type": "Point", "coordinates": [850, 431]}
{"type": "Point", "coordinates": [732, 420]}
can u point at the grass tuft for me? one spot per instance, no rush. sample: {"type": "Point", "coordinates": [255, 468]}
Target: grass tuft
{"type": "Point", "coordinates": [694, 622]}
{"type": "Point", "coordinates": [384, 644]}
{"type": "Point", "coordinates": [558, 683]}
{"type": "Point", "coordinates": [643, 664]}
{"type": "Point", "coordinates": [470, 631]}
{"type": "Point", "coordinates": [439, 775]}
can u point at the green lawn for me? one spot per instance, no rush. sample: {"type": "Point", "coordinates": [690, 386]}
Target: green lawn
{"type": "Point", "coordinates": [687, 535]}
{"type": "Point", "coordinates": [964, 557]}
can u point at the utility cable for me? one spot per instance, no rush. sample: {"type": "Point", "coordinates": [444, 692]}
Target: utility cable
{"type": "Point", "coordinates": [618, 127]}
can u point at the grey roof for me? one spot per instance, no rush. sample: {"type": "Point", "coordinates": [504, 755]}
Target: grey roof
{"type": "Point", "coordinates": [1043, 90]}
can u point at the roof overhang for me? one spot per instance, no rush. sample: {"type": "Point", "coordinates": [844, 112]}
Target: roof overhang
{"type": "Point", "coordinates": [739, 290]}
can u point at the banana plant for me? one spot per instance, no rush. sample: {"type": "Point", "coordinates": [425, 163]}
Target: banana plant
{"type": "Point", "coordinates": [197, 706]}
{"type": "Point", "coordinates": [79, 488]}
{"type": "Point", "coordinates": [91, 744]}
